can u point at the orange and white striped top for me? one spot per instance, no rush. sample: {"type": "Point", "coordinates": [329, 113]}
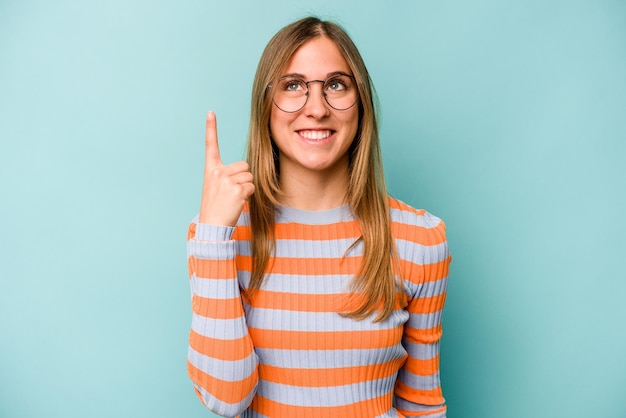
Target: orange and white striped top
{"type": "Point", "coordinates": [288, 352]}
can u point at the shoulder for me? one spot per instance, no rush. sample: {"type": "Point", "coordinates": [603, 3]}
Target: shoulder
{"type": "Point", "coordinates": [417, 225]}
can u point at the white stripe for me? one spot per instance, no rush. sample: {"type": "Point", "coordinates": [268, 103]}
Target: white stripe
{"type": "Point", "coordinates": [216, 288]}
{"type": "Point", "coordinates": [307, 285]}
{"type": "Point", "coordinates": [320, 359]}
{"type": "Point", "coordinates": [419, 382]}
{"type": "Point", "coordinates": [325, 396]}
{"type": "Point", "coordinates": [221, 329]}
{"type": "Point", "coordinates": [230, 371]}
{"type": "Point", "coordinates": [317, 321]}
{"type": "Point", "coordinates": [426, 220]}
{"type": "Point", "coordinates": [425, 321]}
{"type": "Point", "coordinates": [224, 408]}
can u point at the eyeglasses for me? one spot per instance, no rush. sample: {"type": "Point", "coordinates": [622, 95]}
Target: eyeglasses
{"type": "Point", "coordinates": [291, 93]}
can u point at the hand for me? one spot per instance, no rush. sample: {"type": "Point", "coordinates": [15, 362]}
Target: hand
{"type": "Point", "coordinates": [226, 187]}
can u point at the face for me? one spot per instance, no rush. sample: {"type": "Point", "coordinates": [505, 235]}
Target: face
{"type": "Point", "coordinates": [314, 140]}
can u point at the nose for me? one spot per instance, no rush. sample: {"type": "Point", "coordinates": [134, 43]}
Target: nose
{"type": "Point", "coordinates": [316, 105]}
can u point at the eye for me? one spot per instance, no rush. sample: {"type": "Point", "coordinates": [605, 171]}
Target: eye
{"type": "Point", "coordinates": [291, 85]}
{"type": "Point", "coordinates": [338, 84]}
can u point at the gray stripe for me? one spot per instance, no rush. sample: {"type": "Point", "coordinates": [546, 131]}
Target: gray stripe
{"type": "Point", "coordinates": [421, 351]}
{"type": "Point", "coordinates": [401, 403]}
{"type": "Point", "coordinates": [318, 321]}
{"type": "Point", "coordinates": [422, 254]}
{"type": "Point", "coordinates": [325, 396]}
{"type": "Point", "coordinates": [309, 285]}
{"type": "Point", "coordinates": [435, 288]}
{"type": "Point", "coordinates": [222, 408]}
{"type": "Point", "coordinates": [419, 382]}
{"type": "Point", "coordinates": [427, 220]}
{"type": "Point", "coordinates": [248, 413]}
{"type": "Point", "coordinates": [392, 413]}
{"type": "Point", "coordinates": [428, 289]}
{"type": "Point", "coordinates": [320, 359]}
{"type": "Point", "coordinates": [323, 217]}
{"type": "Point", "coordinates": [222, 329]}
{"type": "Point", "coordinates": [215, 288]}
{"type": "Point", "coordinates": [230, 371]}
{"type": "Point", "coordinates": [307, 248]}
{"type": "Point", "coordinates": [425, 321]}
{"type": "Point", "coordinates": [209, 250]}
{"type": "Point", "coordinates": [206, 232]}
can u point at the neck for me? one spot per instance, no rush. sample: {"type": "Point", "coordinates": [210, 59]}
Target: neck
{"type": "Point", "coordinates": [314, 191]}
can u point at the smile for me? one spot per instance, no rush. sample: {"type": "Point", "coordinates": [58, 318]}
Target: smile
{"type": "Point", "coordinates": [315, 135]}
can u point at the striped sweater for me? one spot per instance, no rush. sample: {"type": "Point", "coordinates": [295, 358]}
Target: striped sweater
{"type": "Point", "coordinates": [287, 352]}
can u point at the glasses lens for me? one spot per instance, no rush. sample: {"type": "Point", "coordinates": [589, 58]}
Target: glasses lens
{"type": "Point", "coordinates": [340, 92]}
{"type": "Point", "coordinates": [290, 94]}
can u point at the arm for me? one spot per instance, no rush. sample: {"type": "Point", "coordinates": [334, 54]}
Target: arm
{"type": "Point", "coordinates": [418, 387]}
{"type": "Point", "coordinates": [221, 360]}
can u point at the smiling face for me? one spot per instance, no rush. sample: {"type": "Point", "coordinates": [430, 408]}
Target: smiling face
{"type": "Point", "coordinates": [314, 141]}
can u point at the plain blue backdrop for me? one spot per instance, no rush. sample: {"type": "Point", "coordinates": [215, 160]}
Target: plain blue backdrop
{"type": "Point", "coordinates": [505, 118]}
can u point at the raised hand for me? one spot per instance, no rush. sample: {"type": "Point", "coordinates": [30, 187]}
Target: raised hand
{"type": "Point", "coordinates": [226, 187]}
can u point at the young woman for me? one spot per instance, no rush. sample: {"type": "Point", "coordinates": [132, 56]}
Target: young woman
{"type": "Point", "coordinates": [314, 293]}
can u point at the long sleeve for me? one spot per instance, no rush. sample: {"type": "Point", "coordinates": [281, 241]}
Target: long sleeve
{"type": "Point", "coordinates": [221, 360]}
{"type": "Point", "coordinates": [426, 263]}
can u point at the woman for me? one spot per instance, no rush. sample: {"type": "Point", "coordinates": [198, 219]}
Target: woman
{"type": "Point", "coordinates": [314, 293]}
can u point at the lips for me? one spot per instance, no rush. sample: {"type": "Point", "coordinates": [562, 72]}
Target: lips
{"type": "Point", "coordinates": [315, 134]}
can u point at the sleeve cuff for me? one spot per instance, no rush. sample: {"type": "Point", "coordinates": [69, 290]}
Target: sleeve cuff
{"type": "Point", "coordinates": [206, 232]}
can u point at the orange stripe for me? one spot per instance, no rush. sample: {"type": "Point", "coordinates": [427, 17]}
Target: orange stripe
{"type": "Point", "coordinates": [305, 266]}
{"type": "Point", "coordinates": [427, 397]}
{"type": "Point", "coordinates": [229, 350]}
{"type": "Point", "coordinates": [325, 340]}
{"type": "Point", "coordinates": [367, 408]}
{"type": "Point", "coordinates": [422, 367]}
{"type": "Point", "coordinates": [225, 391]}
{"type": "Point", "coordinates": [217, 308]}
{"type": "Point", "coordinates": [191, 232]}
{"type": "Point", "coordinates": [428, 304]}
{"type": "Point", "coordinates": [297, 302]}
{"type": "Point", "coordinates": [424, 336]}
{"type": "Point", "coordinates": [419, 234]}
{"type": "Point", "coordinates": [416, 273]}
{"type": "Point", "coordinates": [339, 230]}
{"type": "Point", "coordinates": [213, 269]}
{"type": "Point", "coordinates": [330, 376]}
{"type": "Point", "coordinates": [406, 413]}
{"type": "Point", "coordinates": [396, 204]}
{"type": "Point", "coordinates": [242, 233]}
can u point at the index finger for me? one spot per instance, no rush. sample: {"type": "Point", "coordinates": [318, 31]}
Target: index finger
{"type": "Point", "coordinates": [212, 149]}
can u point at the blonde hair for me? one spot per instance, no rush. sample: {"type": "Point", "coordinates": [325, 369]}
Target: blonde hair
{"type": "Point", "coordinates": [366, 195]}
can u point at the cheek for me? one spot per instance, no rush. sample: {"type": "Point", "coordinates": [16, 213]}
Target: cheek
{"type": "Point", "coordinates": [277, 122]}
{"type": "Point", "coordinates": [353, 123]}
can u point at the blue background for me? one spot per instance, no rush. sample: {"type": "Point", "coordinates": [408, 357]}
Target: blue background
{"type": "Point", "coordinates": [505, 118]}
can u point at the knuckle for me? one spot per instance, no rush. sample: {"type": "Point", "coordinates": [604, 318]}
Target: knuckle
{"type": "Point", "coordinates": [215, 172]}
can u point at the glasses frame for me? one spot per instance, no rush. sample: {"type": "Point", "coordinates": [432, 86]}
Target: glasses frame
{"type": "Point", "coordinates": [306, 83]}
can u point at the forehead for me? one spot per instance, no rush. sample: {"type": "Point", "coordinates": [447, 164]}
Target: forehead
{"type": "Point", "coordinates": [317, 58]}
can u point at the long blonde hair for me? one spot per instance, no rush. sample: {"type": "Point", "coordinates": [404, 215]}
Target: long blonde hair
{"type": "Point", "coordinates": [366, 195]}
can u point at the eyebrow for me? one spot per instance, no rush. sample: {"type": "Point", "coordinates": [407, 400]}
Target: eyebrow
{"type": "Point", "coordinates": [298, 75]}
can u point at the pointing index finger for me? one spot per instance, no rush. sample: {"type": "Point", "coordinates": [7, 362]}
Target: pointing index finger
{"type": "Point", "coordinates": [212, 149]}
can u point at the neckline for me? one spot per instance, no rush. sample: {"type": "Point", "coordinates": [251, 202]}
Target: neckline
{"type": "Point", "coordinates": [287, 214]}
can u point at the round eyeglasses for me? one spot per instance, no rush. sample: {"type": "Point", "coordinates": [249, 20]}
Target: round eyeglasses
{"type": "Point", "coordinates": [290, 93]}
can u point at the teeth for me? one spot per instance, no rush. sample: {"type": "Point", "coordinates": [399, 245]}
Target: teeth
{"type": "Point", "coordinates": [315, 135]}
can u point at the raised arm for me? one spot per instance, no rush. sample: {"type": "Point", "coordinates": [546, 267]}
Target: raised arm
{"type": "Point", "coordinates": [221, 362]}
